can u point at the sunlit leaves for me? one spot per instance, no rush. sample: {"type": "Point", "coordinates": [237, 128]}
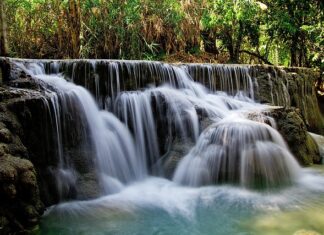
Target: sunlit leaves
{"type": "Point", "coordinates": [135, 29]}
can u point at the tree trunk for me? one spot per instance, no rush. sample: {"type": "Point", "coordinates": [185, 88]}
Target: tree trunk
{"type": "Point", "coordinates": [293, 55]}
{"type": "Point", "coordinates": [209, 42]}
{"type": "Point", "coordinates": [74, 21]}
{"type": "Point", "coordinates": [229, 44]}
{"type": "Point", "coordinates": [60, 31]}
{"type": "Point", "coordinates": [238, 42]}
{"type": "Point", "coordinates": [3, 31]}
{"type": "Point", "coordinates": [294, 50]}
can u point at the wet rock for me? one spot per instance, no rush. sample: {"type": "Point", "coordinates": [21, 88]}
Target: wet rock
{"type": "Point", "coordinates": [294, 131]}
{"type": "Point", "coordinates": [177, 150]}
{"type": "Point", "coordinates": [88, 186]}
{"type": "Point", "coordinates": [24, 82]}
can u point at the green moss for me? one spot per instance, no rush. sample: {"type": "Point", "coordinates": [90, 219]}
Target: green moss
{"type": "Point", "coordinates": [312, 149]}
{"type": "Point", "coordinates": [294, 131]}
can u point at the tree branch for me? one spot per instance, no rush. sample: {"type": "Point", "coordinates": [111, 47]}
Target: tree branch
{"type": "Point", "coordinates": [256, 55]}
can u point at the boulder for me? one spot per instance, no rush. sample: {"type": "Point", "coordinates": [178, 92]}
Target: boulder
{"type": "Point", "coordinates": [177, 150]}
{"type": "Point", "coordinates": [293, 129]}
{"type": "Point", "coordinates": [20, 204]}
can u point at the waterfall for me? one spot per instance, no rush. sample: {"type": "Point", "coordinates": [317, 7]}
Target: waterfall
{"type": "Point", "coordinates": [109, 140]}
{"type": "Point", "coordinates": [239, 151]}
{"type": "Point", "coordinates": [147, 105]}
{"type": "Point", "coordinates": [171, 149]}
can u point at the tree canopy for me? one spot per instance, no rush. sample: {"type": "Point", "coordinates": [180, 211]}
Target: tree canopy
{"type": "Point", "coordinates": [282, 32]}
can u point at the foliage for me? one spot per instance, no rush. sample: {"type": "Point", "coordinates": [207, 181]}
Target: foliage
{"type": "Point", "coordinates": [234, 22]}
{"type": "Point", "coordinates": [286, 32]}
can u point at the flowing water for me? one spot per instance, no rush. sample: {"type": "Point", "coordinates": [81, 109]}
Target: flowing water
{"type": "Point", "coordinates": [238, 177]}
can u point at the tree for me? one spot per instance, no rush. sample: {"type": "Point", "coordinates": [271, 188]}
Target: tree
{"type": "Point", "coordinates": [288, 21]}
{"type": "Point", "coordinates": [3, 31]}
{"type": "Point", "coordinates": [74, 23]}
{"type": "Point", "coordinates": [234, 22]}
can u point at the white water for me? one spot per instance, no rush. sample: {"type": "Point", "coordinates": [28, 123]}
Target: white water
{"type": "Point", "coordinates": [112, 142]}
{"type": "Point", "coordinates": [239, 151]}
{"type": "Point", "coordinates": [113, 146]}
{"type": "Point", "coordinates": [232, 150]}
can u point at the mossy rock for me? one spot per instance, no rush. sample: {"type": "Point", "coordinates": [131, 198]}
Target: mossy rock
{"type": "Point", "coordinates": [5, 136]}
{"type": "Point", "coordinates": [9, 190]}
{"type": "Point", "coordinates": [8, 172]}
{"type": "Point", "coordinates": [3, 149]}
{"type": "Point", "coordinates": [294, 131]}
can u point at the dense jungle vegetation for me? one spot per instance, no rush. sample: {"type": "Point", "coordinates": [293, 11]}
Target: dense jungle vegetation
{"type": "Point", "coordinates": [280, 32]}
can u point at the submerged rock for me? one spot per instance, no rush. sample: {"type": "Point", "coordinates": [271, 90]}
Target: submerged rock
{"type": "Point", "coordinates": [177, 150]}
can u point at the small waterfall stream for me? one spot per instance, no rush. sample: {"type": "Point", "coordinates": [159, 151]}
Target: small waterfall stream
{"type": "Point", "coordinates": [208, 106]}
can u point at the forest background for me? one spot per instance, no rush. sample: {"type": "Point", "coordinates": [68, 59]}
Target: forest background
{"type": "Point", "coordinates": [279, 32]}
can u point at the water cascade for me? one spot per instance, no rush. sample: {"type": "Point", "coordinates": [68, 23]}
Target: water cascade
{"type": "Point", "coordinates": [145, 107]}
{"type": "Point", "coordinates": [180, 104]}
{"type": "Point", "coordinates": [109, 140]}
{"type": "Point", "coordinates": [259, 158]}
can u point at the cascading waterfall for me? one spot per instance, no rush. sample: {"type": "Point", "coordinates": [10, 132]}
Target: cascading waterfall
{"type": "Point", "coordinates": [109, 138]}
{"type": "Point", "coordinates": [111, 142]}
{"type": "Point", "coordinates": [185, 103]}
{"type": "Point", "coordinates": [134, 109]}
{"type": "Point", "coordinates": [239, 151]}
{"type": "Point", "coordinates": [146, 106]}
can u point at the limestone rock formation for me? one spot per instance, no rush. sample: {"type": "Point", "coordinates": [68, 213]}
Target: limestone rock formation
{"type": "Point", "coordinates": [20, 204]}
{"type": "Point", "coordinates": [293, 129]}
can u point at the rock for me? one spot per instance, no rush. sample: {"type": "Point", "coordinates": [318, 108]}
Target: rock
{"type": "Point", "coordinates": [294, 131]}
{"type": "Point", "coordinates": [3, 149]}
{"type": "Point", "coordinates": [290, 87]}
{"type": "Point", "coordinates": [20, 202]}
{"type": "Point", "coordinates": [25, 82]}
{"type": "Point", "coordinates": [178, 149]}
{"type": "Point", "coordinates": [88, 186]}
{"type": "Point", "coordinates": [28, 179]}
{"type": "Point", "coordinates": [8, 173]}
{"type": "Point", "coordinates": [10, 191]}
{"type": "Point", "coordinates": [5, 136]}
{"type": "Point", "coordinates": [31, 214]}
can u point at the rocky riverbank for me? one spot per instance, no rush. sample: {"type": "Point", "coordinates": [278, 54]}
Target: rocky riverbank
{"type": "Point", "coordinates": [20, 204]}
